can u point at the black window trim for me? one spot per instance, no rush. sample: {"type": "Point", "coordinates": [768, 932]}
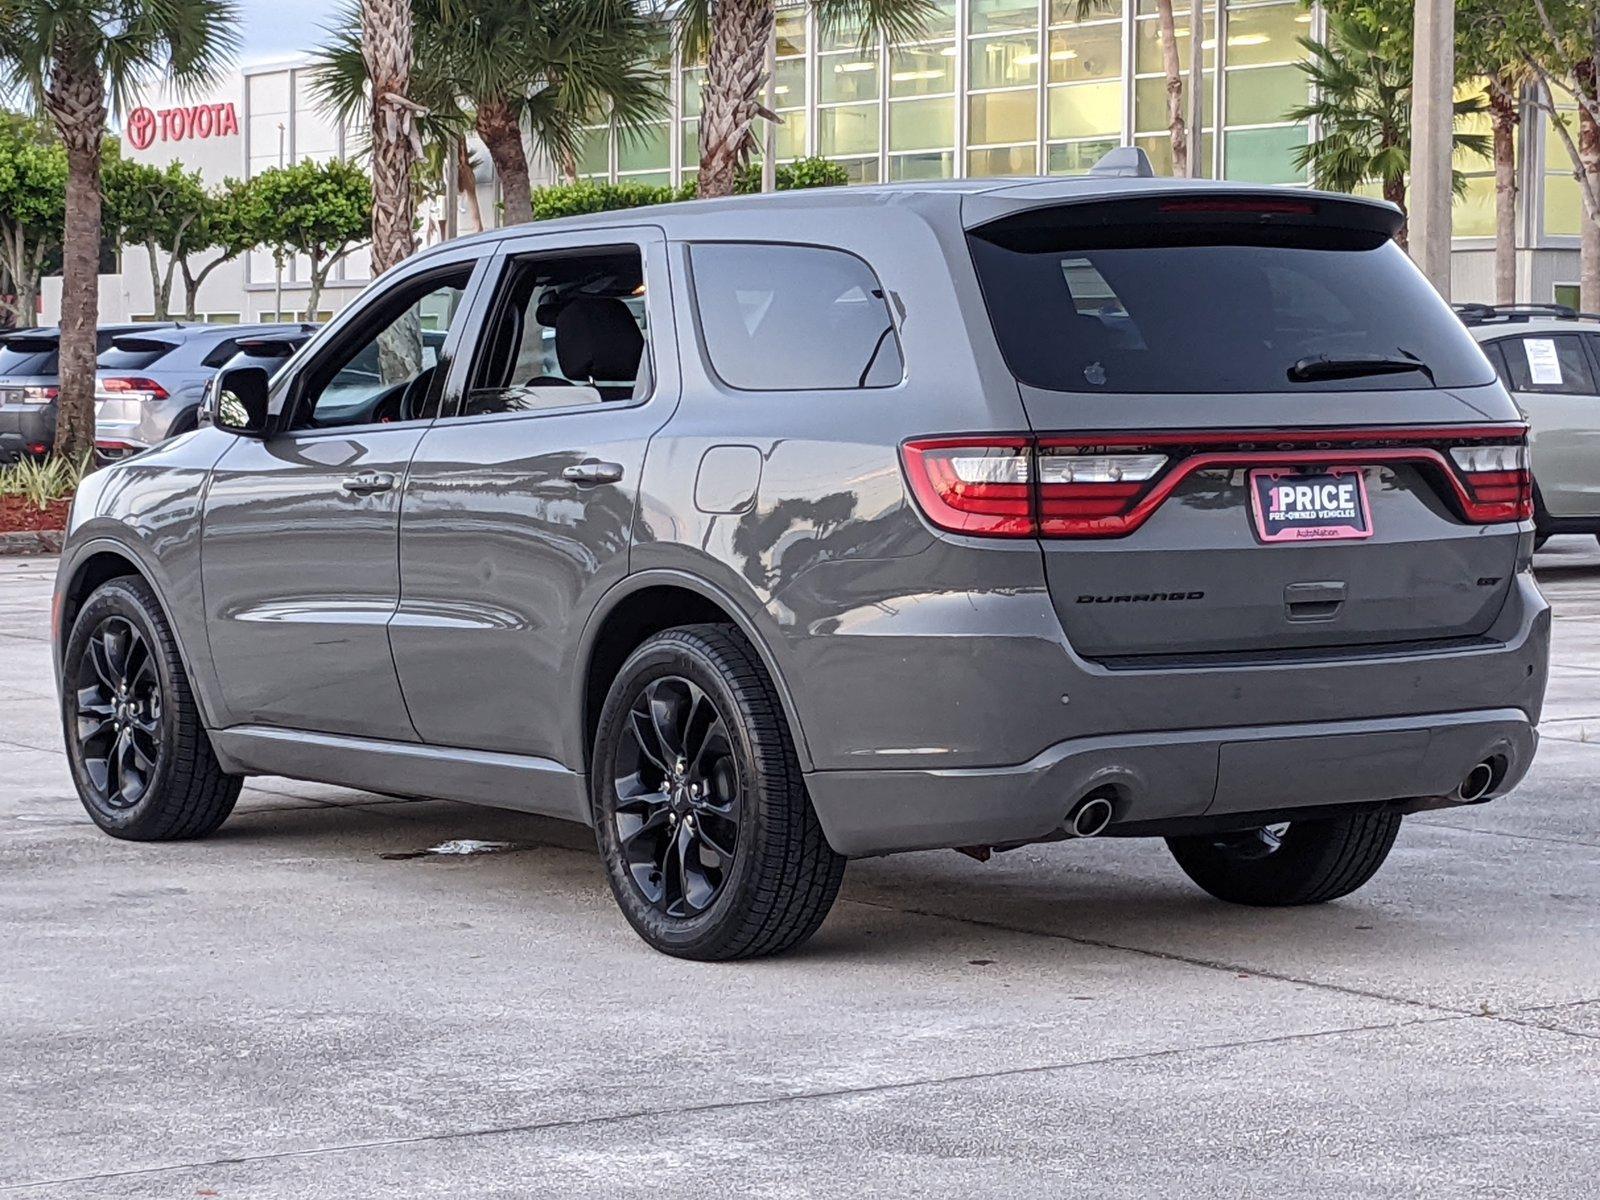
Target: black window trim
{"type": "Point", "coordinates": [354, 323]}
{"type": "Point", "coordinates": [890, 302]}
{"type": "Point", "coordinates": [493, 286]}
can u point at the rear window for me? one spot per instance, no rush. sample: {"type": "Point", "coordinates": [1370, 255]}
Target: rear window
{"type": "Point", "coordinates": [28, 362]}
{"type": "Point", "coordinates": [790, 318]}
{"type": "Point", "coordinates": [134, 354]}
{"type": "Point", "coordinates": [1219, 306]}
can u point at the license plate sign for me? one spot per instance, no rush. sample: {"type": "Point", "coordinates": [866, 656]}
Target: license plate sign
{"type": "Point", "coordinates": [1323, 506]}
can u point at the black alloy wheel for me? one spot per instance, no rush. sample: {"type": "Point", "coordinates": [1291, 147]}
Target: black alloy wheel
{"type": "Point", "coordinates": [137, 746]}
{"type": "Point", "coordinates": [119, 708]}
{"type": "Point", "coordinates": [1296, 862]}
{"type": "Point", "coordinates": [704, 825]}
{"type": "Point", "coordinates": [677, 806]}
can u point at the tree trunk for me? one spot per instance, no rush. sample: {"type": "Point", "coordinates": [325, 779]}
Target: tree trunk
{"type": "Point", "coordinates": [319, 274]}
{"type": "Point", "coordinates": [467, 186]}
{"type": "Point", "coordinates": [75, 99]}
{"type": "Point", "coordinates": [502, 134]}
{"type": "Point", "coordinates": [160, 285]}
{"type": "Point", "coordinates": [1394, 191]}
{"type": "Point", "coordinates": [386, 49]}
{"type": "Point", "coordinates": [1504, 117]}
{"type": "Point", "coordinates": [1589, 160]}
{"type": "Point", "coordinates": [1173, 66]}
{"type": "Point", "coordinates": [735, 75]}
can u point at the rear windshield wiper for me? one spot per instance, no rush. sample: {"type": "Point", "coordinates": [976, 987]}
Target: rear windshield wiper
{"type": "Point", "coordinates": [1354, 366]}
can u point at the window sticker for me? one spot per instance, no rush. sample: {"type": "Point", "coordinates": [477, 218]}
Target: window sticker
{"type": "Point", "coordinates": [1544, 365]}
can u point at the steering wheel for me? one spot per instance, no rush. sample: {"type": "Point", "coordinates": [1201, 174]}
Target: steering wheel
{"type": "Point", "coordinates": [415, 395]}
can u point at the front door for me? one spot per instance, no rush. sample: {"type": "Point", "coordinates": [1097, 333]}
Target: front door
{"type": "Point", "coordinates": [520, 502]}
{"type": "Point", "coordinates": [299, 543]}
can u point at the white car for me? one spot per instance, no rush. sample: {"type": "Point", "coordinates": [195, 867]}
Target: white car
{"type": "Point", "coordinates": [1549, 358]}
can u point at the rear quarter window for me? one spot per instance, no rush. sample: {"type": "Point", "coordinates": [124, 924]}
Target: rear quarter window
{"type": "Point", "coordinates": [790, 318]}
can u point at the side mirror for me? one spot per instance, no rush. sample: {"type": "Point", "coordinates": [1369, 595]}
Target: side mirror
{"type": "Point", "coordinates": [241, 401]}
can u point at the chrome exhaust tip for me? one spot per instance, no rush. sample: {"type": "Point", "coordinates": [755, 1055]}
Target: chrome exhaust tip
{"type": "Point", "coordinates": [1090, 816]}
{"type": "Point", "coordinates": [1477, 783]}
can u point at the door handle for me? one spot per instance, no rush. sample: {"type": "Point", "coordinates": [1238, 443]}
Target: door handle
{"type": "Point", "coordinates": [591, 472]}
{"type": "Point", "coordinates": [368, 483]}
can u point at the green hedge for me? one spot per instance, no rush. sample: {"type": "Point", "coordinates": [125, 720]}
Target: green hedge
{"type": "Point", "coordinates": [587, 196]}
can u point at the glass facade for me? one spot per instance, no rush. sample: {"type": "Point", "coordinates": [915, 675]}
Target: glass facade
{"type": "Point", "coordinates": [1046, 87]}
{"type": "Point", "coordinates": [1000, 87]}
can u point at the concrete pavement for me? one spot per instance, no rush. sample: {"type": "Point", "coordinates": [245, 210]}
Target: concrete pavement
{"type": "Point", "coordinates": [284, 1011]}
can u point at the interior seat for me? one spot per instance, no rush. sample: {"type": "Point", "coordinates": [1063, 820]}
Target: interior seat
{"type": "Point", "coordinates": [598, 339]}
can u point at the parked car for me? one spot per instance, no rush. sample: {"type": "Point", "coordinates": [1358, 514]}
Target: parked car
{"type": "Point", "coordinates": [29, 383]}
{"type": "Point", "coordinates": [150, 382]}
{"type": "Point", "coordinates": [1549, 357]}
{"type": "Point", "coordinates": [964, 515]}
{"type": "Point", "coordinates": [267, 351]}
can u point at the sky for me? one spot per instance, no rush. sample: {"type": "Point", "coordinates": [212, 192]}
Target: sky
{"type": "Point", "coordinates": [278, 28]}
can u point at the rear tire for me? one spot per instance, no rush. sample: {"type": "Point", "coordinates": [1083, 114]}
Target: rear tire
{"type": "Point", "coordinates": [708, 837]}
{"type": "Point", "coordinates": [137, 748]}
{"type": "Point", "coordinates": [1306, 862]}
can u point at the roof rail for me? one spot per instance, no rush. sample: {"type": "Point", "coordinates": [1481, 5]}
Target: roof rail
{"type": "Point", "coordinates": [1127, 162]}
{"type": "Point", "coordinates": [1482, 314]}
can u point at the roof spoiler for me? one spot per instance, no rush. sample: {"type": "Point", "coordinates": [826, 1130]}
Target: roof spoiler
{"type": "Point", "coordinates": [30, 341]}
{"type": "Point", "coordinates": [1124, 162]}
{"type": "Point", "coordinates": [274, 345]}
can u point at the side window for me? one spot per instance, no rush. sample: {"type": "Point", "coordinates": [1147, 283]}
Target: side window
{"type": "Point", "coordinates": [387, 368]}
{"type": "Point", "coordinates": [219, 354]}
{"type": "Point", "coordinates": [565, 329]}
{"type": "Point", "coordinates": [1495, 352]}
{"type": "Point", "coordinates": [1555, 363]}
{"type": "Point", "coordinates": [787, 318]}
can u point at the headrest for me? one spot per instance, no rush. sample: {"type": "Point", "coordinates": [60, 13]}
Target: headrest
{"type": "Point", "coordinates": [597, 338]}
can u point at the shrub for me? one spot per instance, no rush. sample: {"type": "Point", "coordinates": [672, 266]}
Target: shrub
{"type": "Point", "coordinates": [41, 482]}
{"type": "Point", "coordinates": [589, 196]}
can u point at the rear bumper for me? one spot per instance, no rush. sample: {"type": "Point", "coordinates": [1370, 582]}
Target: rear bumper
{"type": "Point", "coordinates": [22, 429]}
{"type": "Point", "coordinates": [1171, 777]}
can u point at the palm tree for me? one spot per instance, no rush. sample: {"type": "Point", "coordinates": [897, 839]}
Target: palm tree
{"type": "Point", "coordinates": [501, 67]}
{"type": "Point", "coordinates": [75, 58]}
{"type": "Point", "coordinates": [1361, 78]}
{"type": "Point", "coordinates": [386, 55]}
{"type": "Point", "coordinates": [735, 35]}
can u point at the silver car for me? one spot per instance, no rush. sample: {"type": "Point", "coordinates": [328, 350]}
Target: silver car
{"type": "Point", "coordinates": [150, 382]}
{"type": "Point", "coordinates": [761, 534]}
{"type": "Point", "coordinates": [1549, 358]}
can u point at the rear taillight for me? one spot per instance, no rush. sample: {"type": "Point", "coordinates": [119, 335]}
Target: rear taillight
{"type": "Point", "coordinates": [1096, 486]}
{"type": "Point", "coordinates": [1079, 493]}
{"type": "Point", "coordinates": [149, 389]}
{"type": "Point", "coordinates": [976, 487]}
{"type": "Point", "coordinates": [39, 395]}
{"type": "Point", "coordinates": [1498, 484]}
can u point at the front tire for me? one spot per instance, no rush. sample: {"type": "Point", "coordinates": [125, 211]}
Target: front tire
{"type": "Point", "coordinates": [1303, 862]}
{"type": "Point", "coordinates": [138, 751]}
{"type": "Point", "coordinates": [708, 837]}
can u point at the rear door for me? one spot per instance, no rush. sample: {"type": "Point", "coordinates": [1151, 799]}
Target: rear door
{"type": "Point", "coordinates": [1238, 455]}
{"type": "Point", "coordinates": [1553, 378]}
{"type": "Point", "coordinates": [520, 502]}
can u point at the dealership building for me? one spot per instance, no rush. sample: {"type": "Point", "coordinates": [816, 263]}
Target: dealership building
{"type": "Point", "coordinates": [997, 87]}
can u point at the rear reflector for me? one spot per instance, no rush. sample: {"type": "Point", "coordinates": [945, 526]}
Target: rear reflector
{"type": "Point", "coordinates": [1103, 485]}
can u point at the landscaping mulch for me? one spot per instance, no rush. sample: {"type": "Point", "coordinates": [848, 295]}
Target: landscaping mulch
{"type": "Point", "coordinates": [27, 529]}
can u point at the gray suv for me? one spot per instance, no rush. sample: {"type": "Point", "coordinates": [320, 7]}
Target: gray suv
{"type": "Point", "coordinates": [764, 533]}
